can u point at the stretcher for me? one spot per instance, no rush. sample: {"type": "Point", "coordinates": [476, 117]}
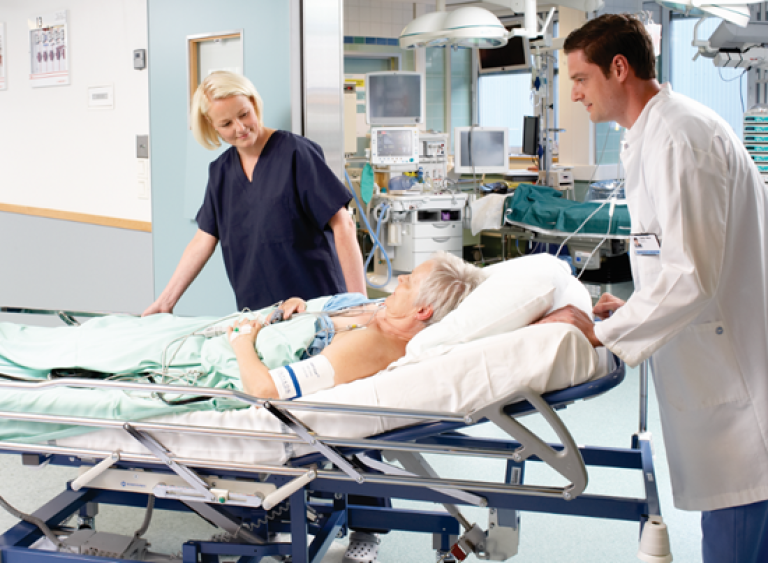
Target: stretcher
{"type": "Point", "coordinates": [313, 493]}
{"type": "Point", "coordinates": [544, 210]}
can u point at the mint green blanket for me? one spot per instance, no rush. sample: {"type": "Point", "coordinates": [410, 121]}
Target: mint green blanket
{"type": "Point", "coordinates": [129, 345]}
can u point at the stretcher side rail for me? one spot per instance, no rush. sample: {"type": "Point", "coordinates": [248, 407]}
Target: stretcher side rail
{"type": "Point", "coordinates": [510, 224]}
{"type": "Point", "coordinates": [575, 470]}
{"type": "Point", "coordinates": [65, 315]}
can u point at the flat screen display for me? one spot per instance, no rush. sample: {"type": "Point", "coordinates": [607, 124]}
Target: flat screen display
{"type": "Point", "coordinates": [394, 98]}
{"type": "Point", "coordinates": [530, 135]}
{"type": "Point", "coordinates": [515, 55]}
{"type": "Point", "coordinates": [483, 149]}
{"type": "Point", "coordinates": [394, 143]}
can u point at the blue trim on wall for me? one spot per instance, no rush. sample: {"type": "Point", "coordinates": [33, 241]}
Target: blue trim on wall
{"type": "Point", "coordinates": [389, 41]}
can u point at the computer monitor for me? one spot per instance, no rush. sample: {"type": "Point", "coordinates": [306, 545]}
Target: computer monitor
{"type": "Point", "coordinates": [395, 146]}
{"type": "Point", "coordinates": [515, 55]}
{"type": "Point", "coordinates": [394, 98]}
{"type": "Point", "coordinates": [481, 150]}
{"type": "Point", "coordinates": [530, 135]}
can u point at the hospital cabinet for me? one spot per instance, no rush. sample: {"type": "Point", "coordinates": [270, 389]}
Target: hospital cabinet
{"type": "Point", "coordinates": [418, 225]}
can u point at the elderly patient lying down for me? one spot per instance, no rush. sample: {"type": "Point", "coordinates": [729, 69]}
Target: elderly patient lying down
{"type": "Point", "coordinates": [424, 297]}
{"type": "Point", "coordinates": [326, 342]}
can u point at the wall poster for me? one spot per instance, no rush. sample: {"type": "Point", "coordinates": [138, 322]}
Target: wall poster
{"type": "Point", "coordinates": [2, 56]}
{"type": "Point", "coordinates": [49, 55]}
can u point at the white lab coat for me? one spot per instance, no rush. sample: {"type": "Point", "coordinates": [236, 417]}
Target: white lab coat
{"type": "Point", "coordinates": [701, 306]}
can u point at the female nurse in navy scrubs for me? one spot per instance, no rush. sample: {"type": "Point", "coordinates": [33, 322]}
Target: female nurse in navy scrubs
{"type": "Point", "coordinates": [273, 203]}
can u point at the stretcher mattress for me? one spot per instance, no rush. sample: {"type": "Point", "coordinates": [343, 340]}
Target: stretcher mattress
{"type": "Point", "coordinates": [469, 376]}
{"type": "Point", "coordinates": [545, 208]}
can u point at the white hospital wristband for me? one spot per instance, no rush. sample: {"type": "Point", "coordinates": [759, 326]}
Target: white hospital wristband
{"type": "Point", "coordinates": [303, 378]}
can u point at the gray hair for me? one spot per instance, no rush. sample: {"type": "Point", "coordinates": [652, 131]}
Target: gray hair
{"type": "Point", "coordinates": [447, 284]}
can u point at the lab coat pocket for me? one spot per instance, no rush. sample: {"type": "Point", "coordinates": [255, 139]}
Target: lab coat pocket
{"type": "Point", "coordinates": [698, 369]}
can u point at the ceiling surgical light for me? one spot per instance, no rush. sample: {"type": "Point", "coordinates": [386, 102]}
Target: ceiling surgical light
{"type": "Point", "coordinates": [734, 11]}
{"type": "Point", "coordinates": [474, 27]}
{"type": "Point", "coordinates": [424, 31]}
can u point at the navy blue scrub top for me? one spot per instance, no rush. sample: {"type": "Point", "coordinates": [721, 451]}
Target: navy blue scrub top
{"type": "Point", "coordinates": [274, 230]}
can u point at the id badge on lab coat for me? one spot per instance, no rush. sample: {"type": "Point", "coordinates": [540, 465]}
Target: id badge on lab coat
{"type": "Point", "coordinates": [645, 244]}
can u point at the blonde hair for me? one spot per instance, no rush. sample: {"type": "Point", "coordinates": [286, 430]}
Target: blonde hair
{"type": "Point", "coordinates": [447, 284]}
{"type": "Point", "coordinates": [216, 86]}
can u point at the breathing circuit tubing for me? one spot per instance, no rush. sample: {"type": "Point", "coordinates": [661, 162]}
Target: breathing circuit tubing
{"type": "Point", "coordinates": [374, 236]}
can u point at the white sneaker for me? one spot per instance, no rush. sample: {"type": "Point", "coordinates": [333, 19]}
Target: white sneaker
{"type": "Point", "coordinates": [363, 548]}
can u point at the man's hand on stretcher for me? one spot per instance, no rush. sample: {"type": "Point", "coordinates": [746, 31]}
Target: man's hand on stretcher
{"type": "Point", "coordinates": [573, 315]}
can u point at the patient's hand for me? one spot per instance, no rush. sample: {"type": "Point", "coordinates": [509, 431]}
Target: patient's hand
{"type": "Point", "coordinates": [241, 337]}
{"type": "Point", "coordinates": [576, 317]}
{"type": "Point", "coordinates": [606, 305]}
{"type": "Point", "coordinates": [293, 305]}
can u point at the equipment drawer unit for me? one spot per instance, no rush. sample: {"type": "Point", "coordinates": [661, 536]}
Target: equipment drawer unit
{"type": "Point", "coordinates": [435, 244]}
{"type": "Point", "coordinates": [754, 148]}
{"type": "Point", "coordinates": [414, 251]}
{"type": "Point", "coordinates": [436, 230]}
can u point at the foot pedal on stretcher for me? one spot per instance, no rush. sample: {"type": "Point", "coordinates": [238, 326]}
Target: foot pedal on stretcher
{"type": "Point", "coordinates": [363, 548]}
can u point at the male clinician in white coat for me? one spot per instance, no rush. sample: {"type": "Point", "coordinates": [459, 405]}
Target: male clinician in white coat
{"type": "Point", "coordinates": [699, 208]}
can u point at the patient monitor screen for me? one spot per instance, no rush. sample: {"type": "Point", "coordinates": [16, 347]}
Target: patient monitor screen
{"type": "Point", "coordinates": [487, 149]}
{"type": "Point", "coordinates": [394, 99]}
{"type": "Point", "coordinates": [394, 142]}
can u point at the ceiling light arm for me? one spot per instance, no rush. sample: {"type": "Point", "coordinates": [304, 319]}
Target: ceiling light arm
{"type": "Point", "coordinates": [529, 10]}
{"type": "Point", "coordinates": [704, 47]}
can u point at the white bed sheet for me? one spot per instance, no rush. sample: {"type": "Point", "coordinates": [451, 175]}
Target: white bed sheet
{"type": "Point", "coordinates": [543, 357]}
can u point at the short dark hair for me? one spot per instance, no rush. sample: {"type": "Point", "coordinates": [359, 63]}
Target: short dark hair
{"type": "Point", "coordinates": [601, 39]}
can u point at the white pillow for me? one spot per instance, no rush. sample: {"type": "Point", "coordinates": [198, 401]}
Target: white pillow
{"type": "Point", "coordinates": [545, 268]}
{"type": "Point", "coordinates": [516, 293]}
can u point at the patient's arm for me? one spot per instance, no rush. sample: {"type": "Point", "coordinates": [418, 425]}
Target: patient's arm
{"type": "Point", "coordinates": [353, 355]}
{"type": "Point", "coordinates": [253, 373]}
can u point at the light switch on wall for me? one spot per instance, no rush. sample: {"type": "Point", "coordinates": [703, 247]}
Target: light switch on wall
{"type": "Point", "coordinates": [142, 146]}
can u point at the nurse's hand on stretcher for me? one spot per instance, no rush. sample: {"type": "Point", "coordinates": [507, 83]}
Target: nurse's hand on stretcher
{"type": "Point", "coordinates": [293, 305]}
{"type": "Point", "coordinates": [157, 307]}
{"type": "Point", "coordinates": [606, 305]}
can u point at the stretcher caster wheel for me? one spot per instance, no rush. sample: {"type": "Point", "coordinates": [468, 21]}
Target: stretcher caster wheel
{"type": "Point", "coordinates": [445, 557]}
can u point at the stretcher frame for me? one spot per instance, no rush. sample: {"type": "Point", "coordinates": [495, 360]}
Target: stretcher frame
{"type": "Point", "coordinates": [319, 486]}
